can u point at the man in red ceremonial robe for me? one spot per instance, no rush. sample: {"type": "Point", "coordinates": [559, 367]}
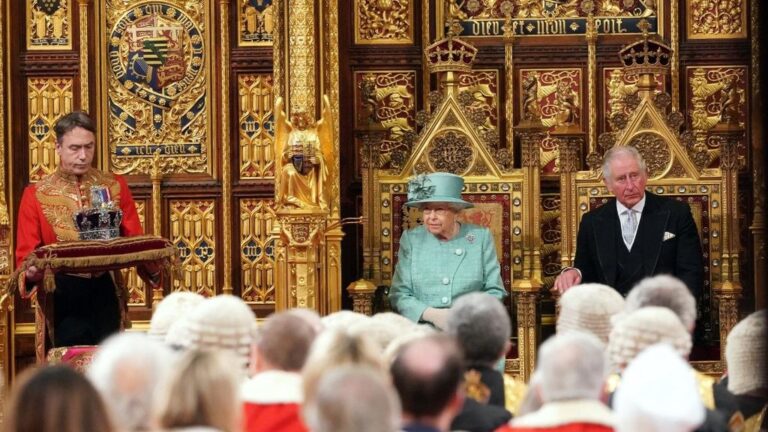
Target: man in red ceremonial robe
{"type": "Point", "coordinates": [86, 307]}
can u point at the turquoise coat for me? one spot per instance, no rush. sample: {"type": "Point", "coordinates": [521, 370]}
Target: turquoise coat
{"type": "Point", "coordinates": [433, 273]}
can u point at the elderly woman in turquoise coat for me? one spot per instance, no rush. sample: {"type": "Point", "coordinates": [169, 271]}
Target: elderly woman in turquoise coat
{"type": "Point", "coordinates": [442, 259]}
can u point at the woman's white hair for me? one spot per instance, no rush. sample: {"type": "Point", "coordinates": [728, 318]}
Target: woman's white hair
{"type": "Point", "coordinates": [126, 370]}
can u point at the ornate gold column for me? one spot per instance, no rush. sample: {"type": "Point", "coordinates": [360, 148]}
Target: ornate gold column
{"type": "Point", "coordinates": [728, 290]}
{"type": "Point", "coordinates": [156, 175]}
{"type": "Point", "coordinates": [674, 63]}
{"type": "Point", "coordinates": [526, 290]}
{"type": "Point", "coordinates": [591, 36]}
{"type": "Point", "coordinates": [509, 75]}
{"type": "Point", "coordinates": [83, 30]}
{"type": "Point", "coordinates": [308, 250]}
{"type": "Point", "coordinates": [300, 58]}
{"type": "Point", "coordinates": [569, 164]}
{"type": "Point", "coordinates": [759, 258]}
{"type": "Point", "coordinates": [226, 168]}
{"type": "Point", "coordinates": [6, 251]}
{"type": "Point", "coordinates": [329, 54]}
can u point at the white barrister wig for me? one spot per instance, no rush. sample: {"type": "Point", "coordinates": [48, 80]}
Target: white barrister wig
{"type": "Point", "coordinates": [645, 327]}
{"type": "Point", "coordinates": [224, 322]}
{"type": "Point", "coordinates": [589, 308]}
{"type": "Point", "coordinates": [171, 309]}
{"type": "Point", "coordinates": [342, 320]}
{"type": "Point", "coordinates": [745, 354]}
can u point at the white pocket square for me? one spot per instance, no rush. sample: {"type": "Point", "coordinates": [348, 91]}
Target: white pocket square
{"type": "Point", "coordinates": [668, 235]}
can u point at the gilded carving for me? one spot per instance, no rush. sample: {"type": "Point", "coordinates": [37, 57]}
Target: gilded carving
{"type": "Point", "coordinates": [301, 56]}
{"type": "Point", "coordinates": [256, 126]}
{"type": "Point", "coordinates": [84, 58]}
{"type": "Point", "coordinates": [451, 152]}
{"type": "Point", "coordinates": [550, 239]}
{"type": "Point", "coordinates": [481, 88]}
{"type": "Point", "coordinates": [158, 91]}
{"type": "Point", "coordinates": [307, 156]}
{"type": "Point", "coordinates": [257, 251]}
{"type": "Point", "coordinates": [193, 232]}
{"type": "Point", "coordinates": [485, 18]}
{"type": "Point", "coordinates": [383, 21]}
{"type": "Point", "coordinates": [716, 19]}
{"type": "Point", "coordinates": [256, 20]}
{"type": "Point", "coordinates": [654, 150]}
{"type": "Point", "coordinates": [136, 287]}
{"type": "Point", "coordinates": [618, 86]}
{"type": "Point", "coordinates": [718, 97]}
{"type": "Point", "coordinates": [49, 98]}
{"type": "Point", "coordinates": [49, 24]}
{"type": "Point", "coordinates": [552, 97]}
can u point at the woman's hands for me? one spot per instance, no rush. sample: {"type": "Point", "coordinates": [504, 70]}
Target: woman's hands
{"type": "Point", "coordinates": [438, 317]}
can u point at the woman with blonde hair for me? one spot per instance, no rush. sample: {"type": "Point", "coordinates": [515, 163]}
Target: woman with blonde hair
{"type": "Point", "coordinates": [201, 394]}
{"type": "Point", "coordinates": [334, 348]}
{"type": "Point", "coordinates": [55, 399]}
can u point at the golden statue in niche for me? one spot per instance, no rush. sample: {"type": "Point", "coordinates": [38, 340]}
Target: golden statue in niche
{"type": "Point", "coordinates": [305, 176]}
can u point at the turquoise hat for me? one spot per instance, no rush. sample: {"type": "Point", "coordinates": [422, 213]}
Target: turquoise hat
{"type": "Point", "coordinates": [436, 187]}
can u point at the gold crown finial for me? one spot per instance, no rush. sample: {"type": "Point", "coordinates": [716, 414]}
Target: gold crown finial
{"type": "Point", "coordinates": [646, 55]}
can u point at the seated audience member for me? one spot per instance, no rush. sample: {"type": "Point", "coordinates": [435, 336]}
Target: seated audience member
{"type": "Point", "coordinates": [742, 395]}
{"type": "Point", "coordinates": [383, 328]}
{"type": "Point", "coordinates": [126, 370]}
{"type": "Point", "coordinates": [353, 399]}
{"type": "Point", "coordinates": [200, 394]}
{"type": "Point", "coordinates": [343, 320]}
{"type": "Point", "coordinates": [427, 374]}
{"type": "Point", "coordinates": [481, 326]}
{"type": "Point", "coordinates": [589, 308]}
{"type": "Point", "coordinates": [224, 322]}
{"type": "Point", "coordinates": [647, 326]}
{"type": "Point", "coordinates": [419, 331]}
{"type": "Point", "coordinates": [171, 309]}
{"type": "Point", "coordinates": [334, 348]}
{"type": "Point", "coordinates": [272, 397]}
{"type": "Point", "coordinates": [571, 371]}
{"type": "Point", "coordinates": [658, 393]}
{"type": "Point", "coordinates": [311, 317]}
{"type": "Point", "coordinates": [532, 399]}
{"type": "Point", "coordinates": [665, 291]}
{"type": "Point", "coordinates": [55, 399]}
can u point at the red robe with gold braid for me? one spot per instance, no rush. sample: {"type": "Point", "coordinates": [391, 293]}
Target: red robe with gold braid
{"type": "Point", "coordinates": [47, 209]}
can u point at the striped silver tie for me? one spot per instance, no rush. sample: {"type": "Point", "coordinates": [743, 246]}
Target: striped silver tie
{"type": "Point", "coordinates": [629, 228]}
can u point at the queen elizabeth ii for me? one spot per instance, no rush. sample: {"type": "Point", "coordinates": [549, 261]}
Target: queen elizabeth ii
{"type": "Point", "coordinates": [442, 259]}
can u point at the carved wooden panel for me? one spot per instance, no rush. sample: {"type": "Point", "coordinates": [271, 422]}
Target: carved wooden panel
{"type": "Point", "coordinates": [49, 24]}
{"type": "Point", "coordinates": [257, 258]}
{"type": "Point", "coordinates": [720, 19]}
{"type": "Point", "coordinates": [383, 21]}
{"type": "Point", "coordinates": [550, 239]}
{"type": "Point", "coordinates": [482, 92]}
{"type": "Point", "coordinates": [617, 86]}
{"type": "Point", "coordinates": [256, 22]}
{"type": "Point", "coordinates": [49, 99]}
{"type": "Point", "coordinates": [256, 126]}
{"type": "Point", "coordinates": [136, 288]}
{"type": "Point", "coordinates": [193, 232]}
{"type": "Point", "coordinates": [553, 96]}
{"type": "Point", "coordinates": [158, 84]}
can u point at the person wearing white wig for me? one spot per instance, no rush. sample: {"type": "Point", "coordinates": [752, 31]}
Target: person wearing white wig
{"type": "Point", "coordinates": [224, 322]}
{"type": "Point", "coordinates": [666, 291]}
{"type": "Point", "coordinates": [742, 395]}
{"type": "Point", "coordinates": [648, 326]}
{"type": "Point", "coordinates": [126, 370]}
{"type": "Point", "coordinates": [589, 308]}
{"type": "Point", "coordinates": [171, 309]}
{"type": "Point", "coordinates": [658, 393]}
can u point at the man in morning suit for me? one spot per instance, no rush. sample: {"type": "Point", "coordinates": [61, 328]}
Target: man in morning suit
{"type": "Point", "coordinates": [634, 235]}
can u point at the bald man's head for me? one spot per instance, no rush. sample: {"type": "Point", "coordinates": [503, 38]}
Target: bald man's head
{"type": "Point", "coordinates": [427, 374]}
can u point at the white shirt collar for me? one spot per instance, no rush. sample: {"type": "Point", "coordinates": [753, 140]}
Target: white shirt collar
{"type": "Point", "coordinates": [638, 207]}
